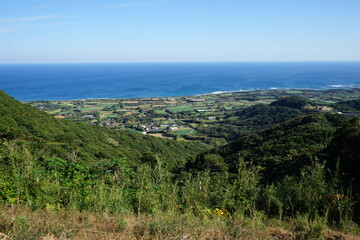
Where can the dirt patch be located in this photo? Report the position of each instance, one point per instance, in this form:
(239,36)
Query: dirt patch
(280,234)
(159,135)
(331,235)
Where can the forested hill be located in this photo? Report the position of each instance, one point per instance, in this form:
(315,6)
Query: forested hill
(287,147)
(258,117)
(52,137)
(348,106)
(288,150)
(284,149)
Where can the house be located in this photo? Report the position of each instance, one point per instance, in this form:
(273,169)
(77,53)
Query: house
(323,108)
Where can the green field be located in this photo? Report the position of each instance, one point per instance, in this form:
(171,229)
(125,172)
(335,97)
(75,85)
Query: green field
(160,111)
(327,102)
(180,109)
(181,132)
(131,130)
(92,108)
(111,115)
(294,91)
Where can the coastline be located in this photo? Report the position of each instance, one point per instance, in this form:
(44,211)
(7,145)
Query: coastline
(329,87)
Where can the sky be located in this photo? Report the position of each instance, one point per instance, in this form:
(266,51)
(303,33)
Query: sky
(67,31)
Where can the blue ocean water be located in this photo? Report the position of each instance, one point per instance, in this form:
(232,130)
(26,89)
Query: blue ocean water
(27,82)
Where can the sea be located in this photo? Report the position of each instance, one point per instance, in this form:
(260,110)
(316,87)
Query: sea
(30,82)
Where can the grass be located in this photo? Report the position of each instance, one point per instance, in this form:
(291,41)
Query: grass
(131,130)
(180,109)
(326,102)
(112,115)
(160,111)
(159,135)
(62,103)
(20,222)
(293,91)
(55,111)
(233,103)
(92,108)
(144,106)
(182,132)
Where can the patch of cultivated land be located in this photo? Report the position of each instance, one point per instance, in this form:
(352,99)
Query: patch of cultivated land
(174,116)
(159,135)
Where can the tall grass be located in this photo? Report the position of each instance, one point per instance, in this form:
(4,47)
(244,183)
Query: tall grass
(23,223)
(311,200)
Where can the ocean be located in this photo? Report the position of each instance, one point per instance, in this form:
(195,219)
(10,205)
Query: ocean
(28,82)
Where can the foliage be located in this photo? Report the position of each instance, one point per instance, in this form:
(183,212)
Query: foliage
(280,172)
(348,106)
(80,141)
(256,118)
(292,102)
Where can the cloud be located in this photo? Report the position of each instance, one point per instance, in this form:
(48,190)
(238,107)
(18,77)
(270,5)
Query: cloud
(27,19)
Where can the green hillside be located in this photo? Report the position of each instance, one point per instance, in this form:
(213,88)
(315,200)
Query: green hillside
(348,106)
(257,117)
(302,163)
(282,149)
(23,124)
(301,174)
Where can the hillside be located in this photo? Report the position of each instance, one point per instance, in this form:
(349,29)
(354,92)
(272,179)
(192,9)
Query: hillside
(307,159)
(348,106)
(62,138)
(257,117)
(299,175)
(282,149)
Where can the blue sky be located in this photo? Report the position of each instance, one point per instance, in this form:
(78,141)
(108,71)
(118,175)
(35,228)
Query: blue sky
(33,31)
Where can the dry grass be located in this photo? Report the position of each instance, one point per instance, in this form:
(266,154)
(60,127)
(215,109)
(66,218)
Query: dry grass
(159,135)
(22,223)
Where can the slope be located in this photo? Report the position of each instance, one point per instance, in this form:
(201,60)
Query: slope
(79,141)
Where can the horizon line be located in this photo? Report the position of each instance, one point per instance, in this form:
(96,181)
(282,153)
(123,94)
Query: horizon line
(150,62)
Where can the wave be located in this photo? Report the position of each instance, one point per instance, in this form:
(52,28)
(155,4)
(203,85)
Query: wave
(341,86)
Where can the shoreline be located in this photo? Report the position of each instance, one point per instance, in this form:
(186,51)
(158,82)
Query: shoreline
(330,87)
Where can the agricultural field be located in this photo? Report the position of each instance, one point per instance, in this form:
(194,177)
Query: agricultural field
(180,117)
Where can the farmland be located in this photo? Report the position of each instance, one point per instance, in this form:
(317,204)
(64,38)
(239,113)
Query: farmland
(180,117)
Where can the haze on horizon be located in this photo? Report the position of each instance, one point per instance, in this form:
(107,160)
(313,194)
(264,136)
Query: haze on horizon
(42,31)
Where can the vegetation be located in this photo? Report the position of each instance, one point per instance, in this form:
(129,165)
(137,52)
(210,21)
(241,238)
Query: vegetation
(252,119)
(214,118)
(23,223)
(292,102)
(287,179)
(348,106)
(37,131)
